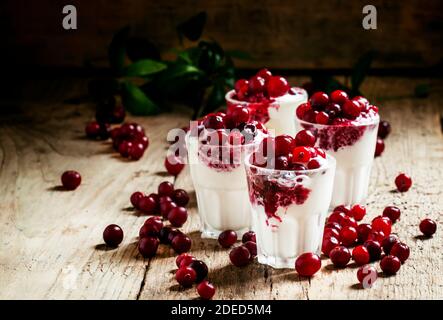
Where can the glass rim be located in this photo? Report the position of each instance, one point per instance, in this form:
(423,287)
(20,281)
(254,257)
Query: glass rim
(331,162)
(254,143)
(374,120)
(230,93)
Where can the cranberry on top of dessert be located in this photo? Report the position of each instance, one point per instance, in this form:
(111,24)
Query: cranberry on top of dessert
(335,109)
(285,152)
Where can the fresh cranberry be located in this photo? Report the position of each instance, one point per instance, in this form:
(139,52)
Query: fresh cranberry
(177,216)
(388,242)
(344,209)
(283,145)
(92,130)
(360,255)
(113,235)
(151,227)
(135,198)
(390,264)
(333,110)
(173,164)
(376,236)
(428,227)
(205,290)
(329,244)
(348,236)
(164,235)
(183,256)
(148,205)
(401,251)
(165,189)
(249,236)
(240,256)
(301,154)
(252,247)
(165,207)
(337,217)
(374,249)
(392,212)
(180,197)
(340,256)
(241,87)
(384,129)
(200,268)
(181,243)
(185,276)
(307,264)
(358,212)
(379,147)
(256,84)
(240,115)
(71,179)
(144,141)
(124,148)
(319,100)
(148,246)
(403,182)
(171,234)
(331,232)
(339,96)
(382,224)
(322,118)
(351,108)
(281,163)
(277,86)
(264,73)
(321,152)
(137,150)
(227,238)
(305,138)
(333,225)
(212,121)
(302,110)
(186,261)
(348,221)
(363,231)
(367,275)
(313,164)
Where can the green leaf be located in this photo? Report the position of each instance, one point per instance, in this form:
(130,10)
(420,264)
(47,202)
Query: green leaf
(192,28)
(238,54)
(361,69)
(136,101)
(422,90)
(117,49)
(176,71)
(144,67)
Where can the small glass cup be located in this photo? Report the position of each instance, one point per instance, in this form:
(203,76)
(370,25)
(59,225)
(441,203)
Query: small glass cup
(289,209)
(353,146)
(276,115)
(220,186)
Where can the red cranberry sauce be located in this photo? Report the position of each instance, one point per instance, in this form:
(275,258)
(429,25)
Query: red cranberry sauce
(272,188)
(259,93)
(336,120)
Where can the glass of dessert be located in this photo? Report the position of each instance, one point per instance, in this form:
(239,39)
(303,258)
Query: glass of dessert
(217,146)
(270,100)
(346,129)
(290,187)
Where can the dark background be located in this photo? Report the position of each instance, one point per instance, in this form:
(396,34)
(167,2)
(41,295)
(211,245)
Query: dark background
(282,34)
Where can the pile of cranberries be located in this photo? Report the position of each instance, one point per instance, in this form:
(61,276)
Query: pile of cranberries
(129,139)
(242,255)
(336,108)
(289,153)
(261,87)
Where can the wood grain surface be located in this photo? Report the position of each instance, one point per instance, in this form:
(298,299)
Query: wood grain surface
(278,34)
(51,243)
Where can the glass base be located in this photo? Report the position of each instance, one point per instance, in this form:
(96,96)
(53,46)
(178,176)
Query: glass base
(276,262)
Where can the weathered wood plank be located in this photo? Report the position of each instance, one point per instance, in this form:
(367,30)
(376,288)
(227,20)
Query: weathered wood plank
(51,240)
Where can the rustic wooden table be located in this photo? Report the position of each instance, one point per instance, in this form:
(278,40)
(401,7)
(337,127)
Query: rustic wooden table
(51,243)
